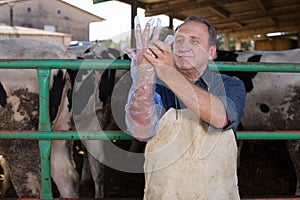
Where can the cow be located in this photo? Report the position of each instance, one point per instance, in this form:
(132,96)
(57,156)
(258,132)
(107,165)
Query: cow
(72,93)
(273,99)
(91,100)
(87,89)
(19,111)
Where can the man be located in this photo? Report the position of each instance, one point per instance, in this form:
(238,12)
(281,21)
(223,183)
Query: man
(185,158)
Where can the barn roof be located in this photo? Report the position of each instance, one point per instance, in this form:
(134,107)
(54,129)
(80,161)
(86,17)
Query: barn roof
(240,19)
(23,32)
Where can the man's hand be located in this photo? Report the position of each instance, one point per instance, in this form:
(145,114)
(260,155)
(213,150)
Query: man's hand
(142,71)
(160,55)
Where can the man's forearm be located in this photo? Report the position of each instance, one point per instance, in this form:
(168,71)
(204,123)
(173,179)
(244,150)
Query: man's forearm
(207,106)
(140,112)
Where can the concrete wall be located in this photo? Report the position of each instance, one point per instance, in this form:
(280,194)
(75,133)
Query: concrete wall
(62,16)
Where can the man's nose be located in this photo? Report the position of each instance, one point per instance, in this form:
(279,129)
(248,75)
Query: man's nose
(183,47)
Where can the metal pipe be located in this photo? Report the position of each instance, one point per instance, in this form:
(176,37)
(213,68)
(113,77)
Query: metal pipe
(265,135)
(66,135)
(64,64)
(44,125)
(119,135)
(255,67)
(125,64)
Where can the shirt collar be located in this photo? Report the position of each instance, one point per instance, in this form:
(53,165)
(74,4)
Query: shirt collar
(207,77)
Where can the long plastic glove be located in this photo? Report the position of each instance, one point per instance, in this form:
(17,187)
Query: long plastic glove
(141,112)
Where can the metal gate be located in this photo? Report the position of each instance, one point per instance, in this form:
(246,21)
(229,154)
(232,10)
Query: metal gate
(45,134)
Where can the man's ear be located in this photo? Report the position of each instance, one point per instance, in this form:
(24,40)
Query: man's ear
(212,52)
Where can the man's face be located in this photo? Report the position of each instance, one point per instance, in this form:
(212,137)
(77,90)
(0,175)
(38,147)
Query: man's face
(191,46)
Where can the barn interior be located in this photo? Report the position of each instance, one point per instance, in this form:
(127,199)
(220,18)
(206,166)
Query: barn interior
(272,25)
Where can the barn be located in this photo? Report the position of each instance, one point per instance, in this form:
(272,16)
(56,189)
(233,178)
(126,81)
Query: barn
(239,20)
(54,16)
(243,21)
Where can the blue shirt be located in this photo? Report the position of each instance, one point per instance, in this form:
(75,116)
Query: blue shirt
(230,90)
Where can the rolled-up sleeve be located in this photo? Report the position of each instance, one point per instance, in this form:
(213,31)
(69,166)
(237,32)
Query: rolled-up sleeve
(234,102)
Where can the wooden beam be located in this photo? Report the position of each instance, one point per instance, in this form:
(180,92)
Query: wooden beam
(285,10)
(263,31)
(248,34)
(139,3)
(171,22)
(280,24)
(238,45)
(272,20)
(219,11)
(262,5)
(168,7)
(226,42)
(246,38)
(240,25)
(133,13)
(287,20)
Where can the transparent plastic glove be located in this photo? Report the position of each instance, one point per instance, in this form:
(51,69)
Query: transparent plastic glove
(163,59)
(141,111)
(169,39)
(142,72)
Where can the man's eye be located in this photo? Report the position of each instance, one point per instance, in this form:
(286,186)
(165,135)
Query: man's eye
(194,42)
(179,41)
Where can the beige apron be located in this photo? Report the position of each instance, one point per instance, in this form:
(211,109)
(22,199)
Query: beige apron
(186,161)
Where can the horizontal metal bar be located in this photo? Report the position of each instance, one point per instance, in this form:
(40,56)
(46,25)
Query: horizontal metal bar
(273,198)
(119,135)
(265,135)
(125,64)
(255,67)
(65,64)
(66,135)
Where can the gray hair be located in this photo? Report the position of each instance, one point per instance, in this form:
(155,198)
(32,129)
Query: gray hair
(211,28)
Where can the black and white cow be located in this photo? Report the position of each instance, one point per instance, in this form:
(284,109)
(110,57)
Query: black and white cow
(19,111)
(273,99)
(91,101)
(90,91)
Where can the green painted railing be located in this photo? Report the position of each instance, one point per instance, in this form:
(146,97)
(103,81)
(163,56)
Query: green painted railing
(45,134)
(124,64)
(119,135)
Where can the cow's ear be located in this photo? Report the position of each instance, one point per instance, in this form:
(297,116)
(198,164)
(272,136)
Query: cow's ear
(212,52)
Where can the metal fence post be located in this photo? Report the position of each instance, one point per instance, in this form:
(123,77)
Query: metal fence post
(44,126)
